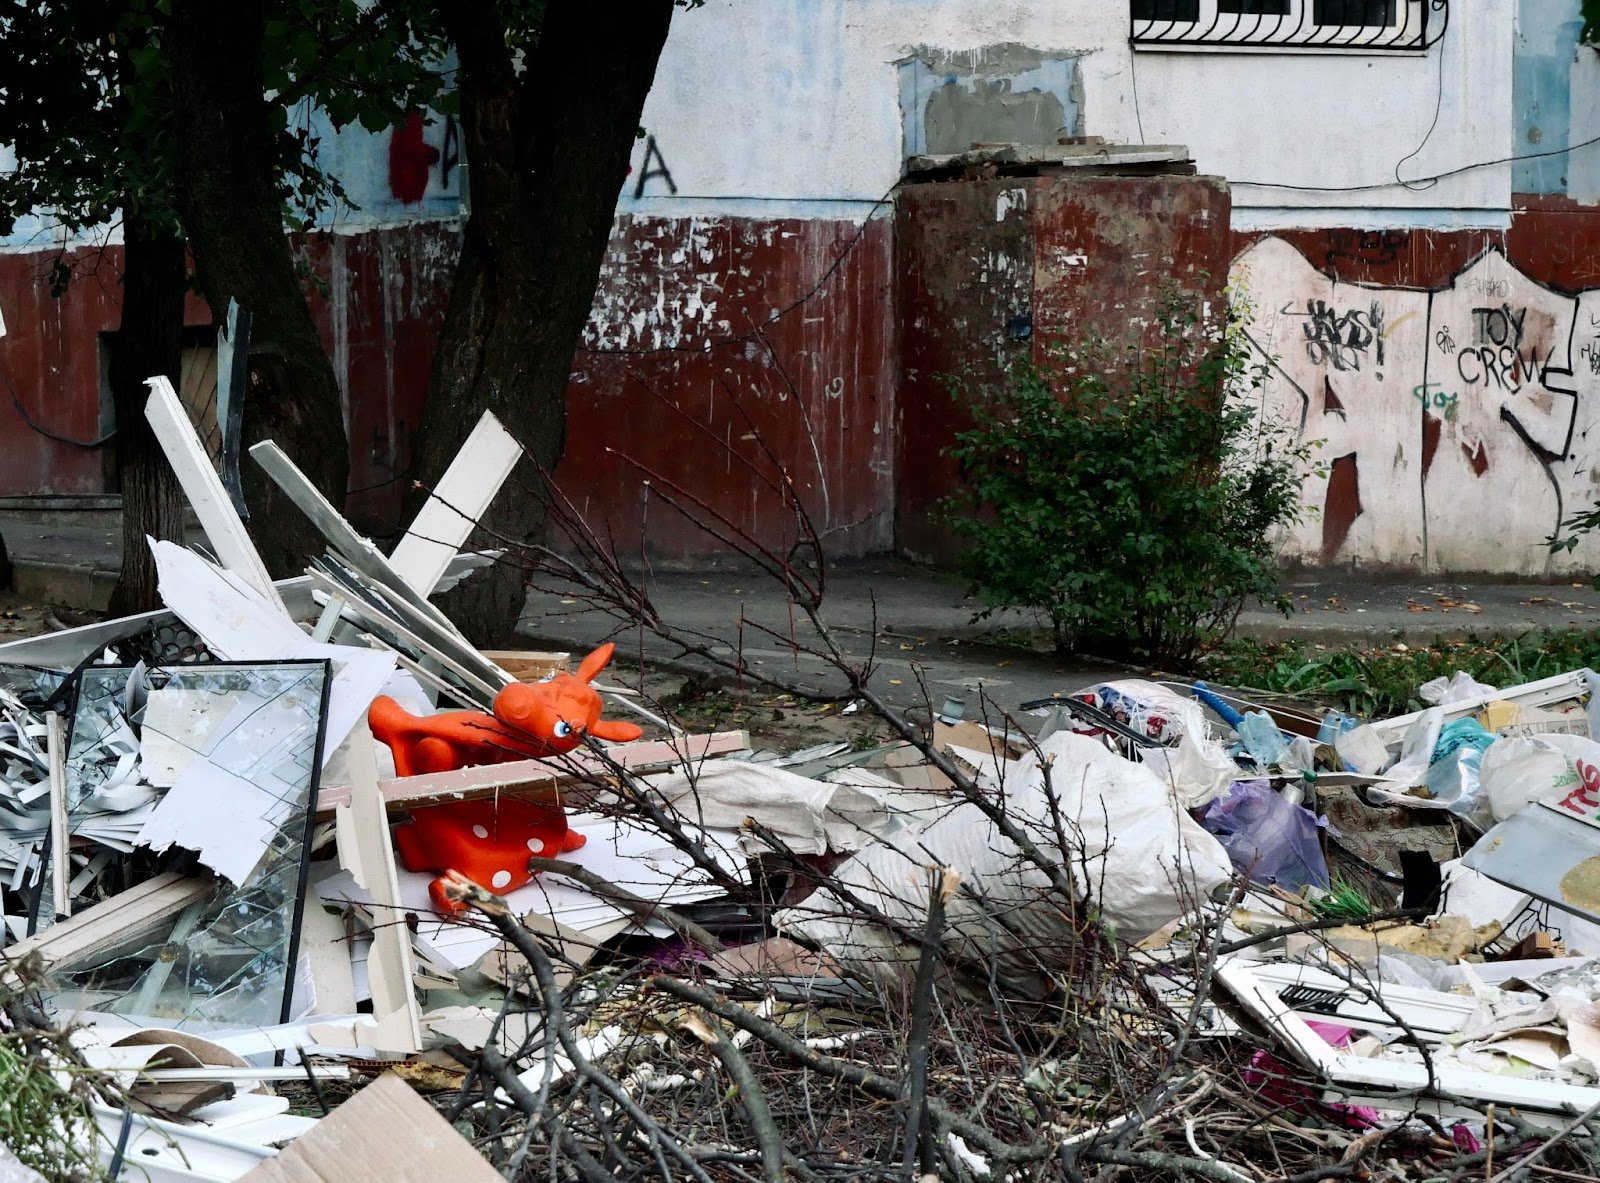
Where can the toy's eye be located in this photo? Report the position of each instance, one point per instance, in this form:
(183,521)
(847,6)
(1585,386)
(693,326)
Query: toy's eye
(562,729)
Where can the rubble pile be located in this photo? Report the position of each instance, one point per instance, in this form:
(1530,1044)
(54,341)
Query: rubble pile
(287,857)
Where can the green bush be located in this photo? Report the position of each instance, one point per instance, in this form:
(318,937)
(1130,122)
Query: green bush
(1131,497)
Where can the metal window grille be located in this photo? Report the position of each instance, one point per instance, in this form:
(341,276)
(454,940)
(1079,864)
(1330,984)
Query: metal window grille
(1348,25)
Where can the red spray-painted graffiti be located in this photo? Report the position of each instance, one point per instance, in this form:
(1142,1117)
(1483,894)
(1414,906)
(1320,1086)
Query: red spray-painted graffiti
(411,160)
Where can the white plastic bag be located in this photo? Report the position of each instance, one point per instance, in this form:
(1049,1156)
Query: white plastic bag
(1136,852)
(1517,771)
(1198,770)
(1460,686)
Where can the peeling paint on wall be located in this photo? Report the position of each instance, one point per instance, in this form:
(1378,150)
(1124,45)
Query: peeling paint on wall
(998,94)
(708,333)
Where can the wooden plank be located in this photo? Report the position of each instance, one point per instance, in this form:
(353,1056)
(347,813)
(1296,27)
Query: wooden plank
(367,852)
(534,777)
(460,498)
(529,665)
(203,487)
(109,921)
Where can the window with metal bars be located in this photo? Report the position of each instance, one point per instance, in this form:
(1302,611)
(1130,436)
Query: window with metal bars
(1347,25)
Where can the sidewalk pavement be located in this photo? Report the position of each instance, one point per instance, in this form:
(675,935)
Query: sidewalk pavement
(915,616)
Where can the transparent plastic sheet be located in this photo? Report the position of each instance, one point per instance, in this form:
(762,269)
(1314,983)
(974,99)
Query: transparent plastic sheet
(226,960)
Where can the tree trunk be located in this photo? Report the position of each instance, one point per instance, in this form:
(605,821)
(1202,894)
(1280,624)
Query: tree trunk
(149,342)
(547,152)
(229,198)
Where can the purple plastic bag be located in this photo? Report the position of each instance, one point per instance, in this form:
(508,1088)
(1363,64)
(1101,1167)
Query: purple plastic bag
(1268,839)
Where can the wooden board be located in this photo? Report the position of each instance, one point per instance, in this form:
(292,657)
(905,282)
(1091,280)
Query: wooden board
(203,487)
(109,921)
(459,499)
(529,665)
(367,852)
(533,777)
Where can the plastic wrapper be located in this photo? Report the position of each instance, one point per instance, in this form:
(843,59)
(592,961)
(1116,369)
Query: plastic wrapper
(1152,710)
(1515,772)
(1458,734)
(1459,687)
(1267,838)
(1263,740)
(1454,783)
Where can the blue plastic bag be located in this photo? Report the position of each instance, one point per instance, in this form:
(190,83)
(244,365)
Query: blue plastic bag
(1268,839)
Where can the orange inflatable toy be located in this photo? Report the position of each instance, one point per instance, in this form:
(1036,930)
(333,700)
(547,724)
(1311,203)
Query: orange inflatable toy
(489,841)
(547,718)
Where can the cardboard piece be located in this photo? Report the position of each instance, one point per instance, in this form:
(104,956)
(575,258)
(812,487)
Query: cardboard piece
(385,1132)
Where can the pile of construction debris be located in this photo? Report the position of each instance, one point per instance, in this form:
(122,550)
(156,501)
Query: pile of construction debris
(288,856)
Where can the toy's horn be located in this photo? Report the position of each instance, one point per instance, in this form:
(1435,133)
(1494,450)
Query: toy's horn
(615,731)
(596,661)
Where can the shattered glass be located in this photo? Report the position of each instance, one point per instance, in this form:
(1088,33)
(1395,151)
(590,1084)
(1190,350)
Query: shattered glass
(245,738)
(30,685)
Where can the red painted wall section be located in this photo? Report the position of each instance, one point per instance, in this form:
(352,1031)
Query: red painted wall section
(685,381)
(380,304)
(1552,240)
(992,271)
(1108,250)
(50,365)
(682,374)
(966,295)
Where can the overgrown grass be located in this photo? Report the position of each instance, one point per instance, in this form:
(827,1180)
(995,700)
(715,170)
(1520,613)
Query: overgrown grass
(1382,680)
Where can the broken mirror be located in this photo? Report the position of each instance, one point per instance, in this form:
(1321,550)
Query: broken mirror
(224,763)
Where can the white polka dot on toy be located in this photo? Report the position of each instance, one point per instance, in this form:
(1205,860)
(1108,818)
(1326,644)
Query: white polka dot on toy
(481,831)
(501,878)
(536,845)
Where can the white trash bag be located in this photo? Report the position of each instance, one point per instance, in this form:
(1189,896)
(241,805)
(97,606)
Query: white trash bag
(1133,849)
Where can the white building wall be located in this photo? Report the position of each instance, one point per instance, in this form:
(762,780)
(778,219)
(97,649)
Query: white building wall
(794,106)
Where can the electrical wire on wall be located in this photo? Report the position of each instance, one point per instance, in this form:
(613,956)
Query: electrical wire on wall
(1423,183)
(22,413)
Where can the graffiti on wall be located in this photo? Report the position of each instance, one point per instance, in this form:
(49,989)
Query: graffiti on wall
(415,162)
(1455,424)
